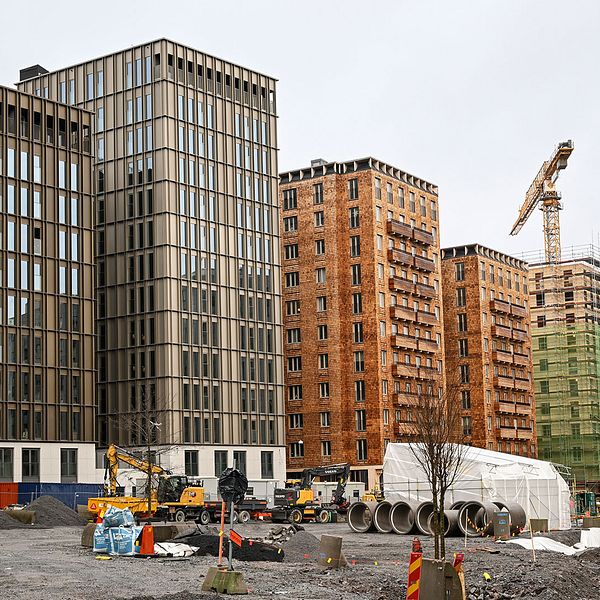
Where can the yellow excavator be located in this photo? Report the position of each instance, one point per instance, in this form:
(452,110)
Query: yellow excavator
(175,497)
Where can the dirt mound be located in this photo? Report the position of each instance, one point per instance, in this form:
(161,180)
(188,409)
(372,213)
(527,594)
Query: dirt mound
(300,544)
(7,522)
(568,537)
(591,555)
(51,512)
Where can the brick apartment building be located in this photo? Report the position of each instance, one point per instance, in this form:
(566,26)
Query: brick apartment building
(488,347)
(362,310)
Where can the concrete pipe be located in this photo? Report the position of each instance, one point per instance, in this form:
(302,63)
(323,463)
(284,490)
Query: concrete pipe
(381,517)
(422,515)
(517,514)
(457,505)
(360,516)
(402,517)
(451,528)
(474,516)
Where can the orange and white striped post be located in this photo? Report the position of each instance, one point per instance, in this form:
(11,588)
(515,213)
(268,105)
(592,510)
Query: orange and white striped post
(414,571)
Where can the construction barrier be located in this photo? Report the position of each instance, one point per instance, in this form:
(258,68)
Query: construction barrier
(9,494)
(414,572)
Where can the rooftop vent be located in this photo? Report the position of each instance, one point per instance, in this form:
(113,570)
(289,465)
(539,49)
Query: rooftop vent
(318,162)
(30,72)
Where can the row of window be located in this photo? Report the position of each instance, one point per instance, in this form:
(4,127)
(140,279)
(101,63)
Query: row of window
(494,274)
(30,464)
(296,449)
(221,462)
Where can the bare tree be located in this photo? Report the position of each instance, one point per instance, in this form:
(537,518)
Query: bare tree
(145,430)
(435,431)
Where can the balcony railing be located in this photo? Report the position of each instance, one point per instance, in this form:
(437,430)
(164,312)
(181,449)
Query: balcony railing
(500,306)
(518,311)
(426,345)
(398,284)
(404,341)
(515,358)
(427,291)
(408,232)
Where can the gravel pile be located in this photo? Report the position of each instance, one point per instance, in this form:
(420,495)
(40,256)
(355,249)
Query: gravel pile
(300,544)
(7,522)
(51,512)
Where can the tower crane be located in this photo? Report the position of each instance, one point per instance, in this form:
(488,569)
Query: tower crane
(542,192)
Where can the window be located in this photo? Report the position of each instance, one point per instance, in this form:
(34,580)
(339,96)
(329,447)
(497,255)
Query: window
(541,321)
(573,387)
(30,464)
(459,271)
(319,218)
(296,450)
(466,425)
(220,462)
(540,299)
(354,215)
(68,465)
(319,247)
(464,373)
(326,448)
(318,193)
(191,463)
(323,361)
(292,279)
(577,454)
(355,246)
(293,336)
(359,390)
(290,199)
(296,421)
(543,364)
(321,303)
(295,392)
(322,332)
(461,296)
(544,387)
(463,348)
(356,274)
(357,303)
(361,449)
(291,251)
(266,465)
(357,332)
(290,224)
(239,460)
(292,307)
(361,420)
(6,464)
(377,188)
(294,363)
(324,389)
(462,322)
(320,275)
(465,398)
(353,189)
(325,419)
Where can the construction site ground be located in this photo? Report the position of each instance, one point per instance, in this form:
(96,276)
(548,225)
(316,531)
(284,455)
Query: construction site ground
(51,564)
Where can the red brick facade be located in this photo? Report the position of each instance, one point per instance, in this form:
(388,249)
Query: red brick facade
(378,245)
(488,347)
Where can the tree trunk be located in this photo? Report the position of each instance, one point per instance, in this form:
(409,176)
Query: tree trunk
(436,529)
(441,524)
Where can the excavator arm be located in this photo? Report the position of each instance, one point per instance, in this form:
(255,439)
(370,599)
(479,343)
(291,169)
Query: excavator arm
(342,473)
(113,455)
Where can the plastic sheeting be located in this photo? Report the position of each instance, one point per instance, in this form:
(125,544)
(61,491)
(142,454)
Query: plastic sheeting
(484,476)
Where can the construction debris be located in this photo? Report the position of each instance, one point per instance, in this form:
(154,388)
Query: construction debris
(7,522)
(51,512)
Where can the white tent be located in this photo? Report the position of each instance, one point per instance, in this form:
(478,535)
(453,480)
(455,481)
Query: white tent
(485,475)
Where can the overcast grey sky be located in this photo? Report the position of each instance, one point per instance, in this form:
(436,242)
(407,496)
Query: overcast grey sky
(470,95)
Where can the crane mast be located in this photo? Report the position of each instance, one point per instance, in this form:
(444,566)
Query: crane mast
(542,192)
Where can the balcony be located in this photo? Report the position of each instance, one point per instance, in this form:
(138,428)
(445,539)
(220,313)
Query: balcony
(404,341)
(405,399)
(424,290)
(522,384)
(428,345)
(398,284)
(404,370)
(524,433)
(504,382)
(424,264)
(521,359)
(403,313)
(507,433)
(427,317)
(501,331)
(513,408)
(408,232)
(399,256)
(500,306)
(515,358)
(518,311)
(520,334)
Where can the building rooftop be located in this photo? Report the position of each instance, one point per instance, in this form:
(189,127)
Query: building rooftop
(479,250)
(321,168)
(132,47)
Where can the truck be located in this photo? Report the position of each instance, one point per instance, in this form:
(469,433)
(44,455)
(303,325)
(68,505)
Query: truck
(177,497)
(296,502)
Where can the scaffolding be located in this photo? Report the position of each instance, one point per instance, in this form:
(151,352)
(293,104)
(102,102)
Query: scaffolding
(565,314)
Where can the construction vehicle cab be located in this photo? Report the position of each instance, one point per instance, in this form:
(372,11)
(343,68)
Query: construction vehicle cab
(297,503)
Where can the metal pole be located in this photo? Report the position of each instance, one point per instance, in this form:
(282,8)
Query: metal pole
(221,534)
(230,542)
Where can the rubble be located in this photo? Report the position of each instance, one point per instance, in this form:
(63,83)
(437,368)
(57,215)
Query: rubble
(51,512)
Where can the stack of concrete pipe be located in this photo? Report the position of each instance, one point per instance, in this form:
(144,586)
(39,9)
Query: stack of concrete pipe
(470,518)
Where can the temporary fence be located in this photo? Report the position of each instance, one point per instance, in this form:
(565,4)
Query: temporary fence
(70,494)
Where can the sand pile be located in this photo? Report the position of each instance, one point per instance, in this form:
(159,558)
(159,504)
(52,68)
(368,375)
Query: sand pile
(300,544)
(51,512)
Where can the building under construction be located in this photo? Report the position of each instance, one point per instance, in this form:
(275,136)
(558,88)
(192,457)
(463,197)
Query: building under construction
(565,315)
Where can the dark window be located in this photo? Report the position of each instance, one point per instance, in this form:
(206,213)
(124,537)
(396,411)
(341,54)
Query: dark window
(239,460)
(191,463)
(6,464)
(266,465)
(68,465)
(31,464)
(220,462)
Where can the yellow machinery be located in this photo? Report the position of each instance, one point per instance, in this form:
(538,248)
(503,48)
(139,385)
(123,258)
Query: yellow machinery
(174,495)
(543,192)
